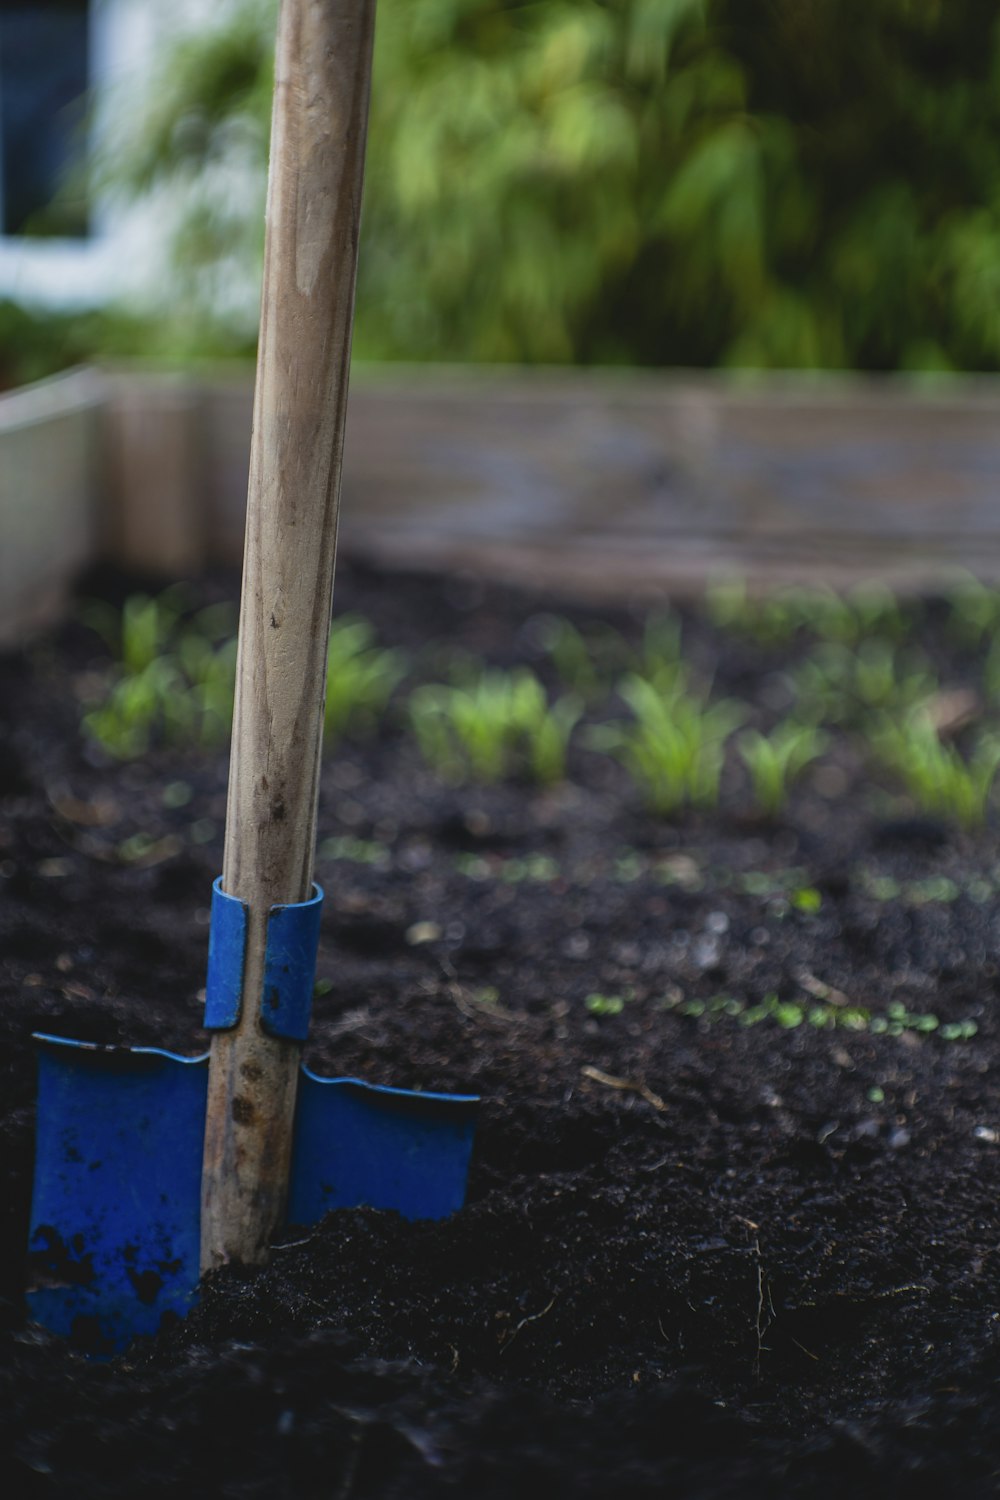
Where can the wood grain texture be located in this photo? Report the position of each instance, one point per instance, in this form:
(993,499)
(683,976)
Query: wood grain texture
(323,68)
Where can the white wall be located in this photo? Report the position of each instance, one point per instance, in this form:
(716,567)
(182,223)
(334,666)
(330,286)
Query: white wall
(122,255)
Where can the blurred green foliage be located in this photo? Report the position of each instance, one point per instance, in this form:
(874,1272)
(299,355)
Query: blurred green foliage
(35,342)
(769,183)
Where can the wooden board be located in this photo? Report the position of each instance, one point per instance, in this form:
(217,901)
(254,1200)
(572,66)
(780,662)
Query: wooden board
(597,482)
(51,470)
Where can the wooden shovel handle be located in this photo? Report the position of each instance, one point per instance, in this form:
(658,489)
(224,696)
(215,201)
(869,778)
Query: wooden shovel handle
(322,78)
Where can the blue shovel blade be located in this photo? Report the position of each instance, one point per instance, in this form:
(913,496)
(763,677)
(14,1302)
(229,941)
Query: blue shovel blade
(115,1213)
(116,1206)
(359,1143)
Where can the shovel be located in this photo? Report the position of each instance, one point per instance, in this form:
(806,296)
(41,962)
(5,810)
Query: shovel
(152,1169)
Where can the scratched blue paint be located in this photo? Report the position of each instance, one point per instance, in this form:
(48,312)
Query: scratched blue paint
(115,1213)
(116,1208)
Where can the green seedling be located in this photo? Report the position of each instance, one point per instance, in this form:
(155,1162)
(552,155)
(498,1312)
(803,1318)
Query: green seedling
(836,685)
(205,648)
(933,888)
(776,618)
(173,678)
(775,761)
(605,1005)
(571,656)
(140,633)
(161,688)
(209,679)
(660,661)
(587,665)
(142,708)
(866,612)
(674,747)
(497,726)
(824,1015)
(770,620)
(991,673)
(877,612)
(360,678)
(973,612)
(936,776)
(540,868)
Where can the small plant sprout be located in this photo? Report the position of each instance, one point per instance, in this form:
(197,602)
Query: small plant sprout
(141,632)
(360,678)
(660,660)
(935,774)
(866,612)
(876,612)
(838,685)
(974,612)
(769,620)
(991,673)
(674,747)
(824,1014)
(139,707)
(605,1005)
(498,725)
(775,761)
(169,683)
(173,678)
(774,619)
(210,672)
(571,655)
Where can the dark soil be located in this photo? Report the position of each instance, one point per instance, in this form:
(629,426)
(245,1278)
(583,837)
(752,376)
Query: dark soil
(699,1257)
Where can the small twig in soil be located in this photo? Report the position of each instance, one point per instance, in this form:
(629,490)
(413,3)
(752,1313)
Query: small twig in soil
(476,1009)
(765,1313)
(532,1318)
(666,1337)
(468,1003)
(820,991)
(609,1081)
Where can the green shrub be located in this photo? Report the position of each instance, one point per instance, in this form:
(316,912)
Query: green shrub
(643,181)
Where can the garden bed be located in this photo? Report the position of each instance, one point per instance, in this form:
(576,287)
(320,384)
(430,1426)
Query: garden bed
(732,1220)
